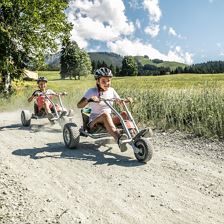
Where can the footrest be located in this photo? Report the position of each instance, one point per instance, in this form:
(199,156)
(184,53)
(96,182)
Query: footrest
(34,116)
(63,113)
(126,141)
(54,119)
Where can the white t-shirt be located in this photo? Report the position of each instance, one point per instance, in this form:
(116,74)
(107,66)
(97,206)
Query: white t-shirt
(101,107)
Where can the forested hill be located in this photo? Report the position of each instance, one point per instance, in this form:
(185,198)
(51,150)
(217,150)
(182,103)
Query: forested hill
(110,58)
(144,60)
(209,67)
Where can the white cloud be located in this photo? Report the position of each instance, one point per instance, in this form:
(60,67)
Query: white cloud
(154,10)
(96,30)
(154,17)
(179,55)
(105,20)
(102,20)
(211,1)
(138,23)
(80,40)
(172,32)
(127,47)
(97,48)
(152,30)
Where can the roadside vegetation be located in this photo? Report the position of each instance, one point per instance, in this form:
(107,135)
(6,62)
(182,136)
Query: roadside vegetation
(187,102)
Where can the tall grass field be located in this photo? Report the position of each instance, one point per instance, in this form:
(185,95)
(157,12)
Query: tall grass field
(190,103)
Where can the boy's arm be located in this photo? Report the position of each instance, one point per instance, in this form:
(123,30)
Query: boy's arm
(31,98)
(89,96)
(82,103)
(35,93)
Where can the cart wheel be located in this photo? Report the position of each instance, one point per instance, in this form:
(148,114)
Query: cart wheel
(71,135)
(145,150)
(25,118)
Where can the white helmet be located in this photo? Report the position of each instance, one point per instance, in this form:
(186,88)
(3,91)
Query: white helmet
(103,72)
(41,79)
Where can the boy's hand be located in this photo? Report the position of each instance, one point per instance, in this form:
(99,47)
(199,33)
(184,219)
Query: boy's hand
(118,101)
(129,100)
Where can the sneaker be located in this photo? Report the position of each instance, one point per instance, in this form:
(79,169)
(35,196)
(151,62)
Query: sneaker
(63,113)
(122,145)
(50,116)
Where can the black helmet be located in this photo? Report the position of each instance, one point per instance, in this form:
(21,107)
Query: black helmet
(41,79)
(103,72)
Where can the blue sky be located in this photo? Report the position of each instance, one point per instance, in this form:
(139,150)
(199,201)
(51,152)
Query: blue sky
(189,31)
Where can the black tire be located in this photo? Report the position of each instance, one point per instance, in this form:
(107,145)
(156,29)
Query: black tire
(26,118)
(145,147)
(71,135)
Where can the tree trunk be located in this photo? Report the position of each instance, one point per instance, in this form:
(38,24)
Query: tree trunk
(6,79)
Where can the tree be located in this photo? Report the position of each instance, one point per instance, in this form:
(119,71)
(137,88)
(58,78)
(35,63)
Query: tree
(84,67)
(117,71)
(104,64)
(98,64)
(113,70)
(75,62)
(94,66)
(129,66)
(28,29)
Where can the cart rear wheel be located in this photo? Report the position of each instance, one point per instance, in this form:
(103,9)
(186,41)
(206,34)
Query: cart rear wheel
(71,135)
(25,118)
(145,150)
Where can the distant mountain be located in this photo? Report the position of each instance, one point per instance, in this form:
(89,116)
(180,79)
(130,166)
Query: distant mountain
(108,57)
(53,61)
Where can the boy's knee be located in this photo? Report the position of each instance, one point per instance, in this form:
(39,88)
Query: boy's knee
(124,115)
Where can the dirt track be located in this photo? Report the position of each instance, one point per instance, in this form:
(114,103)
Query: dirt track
(43,182)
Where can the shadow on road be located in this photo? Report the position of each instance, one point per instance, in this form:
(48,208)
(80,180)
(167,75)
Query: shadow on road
(32,128)
(85,151)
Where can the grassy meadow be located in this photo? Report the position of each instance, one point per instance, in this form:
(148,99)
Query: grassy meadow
(190,103)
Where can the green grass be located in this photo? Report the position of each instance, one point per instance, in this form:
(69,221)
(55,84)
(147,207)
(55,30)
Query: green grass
(171,64)
(186,102)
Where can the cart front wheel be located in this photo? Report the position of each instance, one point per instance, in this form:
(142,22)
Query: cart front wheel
(25,118)
(71,135)
(144,153)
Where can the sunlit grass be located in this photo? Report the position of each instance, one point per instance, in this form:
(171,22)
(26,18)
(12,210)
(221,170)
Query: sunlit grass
(186,102)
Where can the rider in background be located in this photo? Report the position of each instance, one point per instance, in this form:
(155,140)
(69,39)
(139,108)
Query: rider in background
(41,104)
(100,112)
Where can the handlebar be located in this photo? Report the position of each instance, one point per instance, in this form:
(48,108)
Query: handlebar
(51,94)
(110,100)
